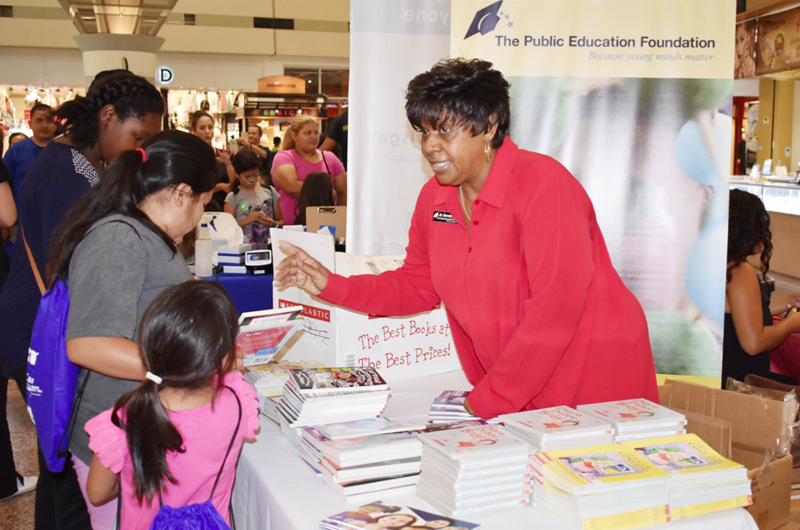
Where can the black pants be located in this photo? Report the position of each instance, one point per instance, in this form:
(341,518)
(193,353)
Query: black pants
(8,472)
(59,502)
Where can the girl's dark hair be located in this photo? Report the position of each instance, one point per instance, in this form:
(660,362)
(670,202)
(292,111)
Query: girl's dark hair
(245,160)
(188,336)
(460,91)
(173,157)
(748,225)
(200,114)
(131,96)
(317,190)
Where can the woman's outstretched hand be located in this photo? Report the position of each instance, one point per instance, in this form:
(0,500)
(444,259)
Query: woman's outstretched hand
(300,269)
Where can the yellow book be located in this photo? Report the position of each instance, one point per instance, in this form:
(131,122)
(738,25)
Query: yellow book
(682,454)
(598,468)
(622,521)
(698,509)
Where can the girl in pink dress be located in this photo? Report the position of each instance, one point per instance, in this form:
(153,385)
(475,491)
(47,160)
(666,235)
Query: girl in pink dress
(175,439)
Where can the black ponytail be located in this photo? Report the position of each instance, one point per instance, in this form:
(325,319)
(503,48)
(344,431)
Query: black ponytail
(172,158)
(130,95)
(188,336)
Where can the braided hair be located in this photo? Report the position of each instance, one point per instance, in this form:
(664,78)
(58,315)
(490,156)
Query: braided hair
(131,96)
(170,158)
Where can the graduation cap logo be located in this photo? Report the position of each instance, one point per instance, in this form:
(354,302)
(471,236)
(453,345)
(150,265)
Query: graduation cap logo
(485,20)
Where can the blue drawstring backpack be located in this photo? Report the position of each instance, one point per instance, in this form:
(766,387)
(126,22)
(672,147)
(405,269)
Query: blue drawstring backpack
(199,516)
(52,377)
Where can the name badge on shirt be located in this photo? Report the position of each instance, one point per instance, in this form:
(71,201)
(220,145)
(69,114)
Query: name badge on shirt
(444,217)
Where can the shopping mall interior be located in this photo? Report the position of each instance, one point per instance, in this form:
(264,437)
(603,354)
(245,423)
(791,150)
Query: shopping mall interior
(290,57)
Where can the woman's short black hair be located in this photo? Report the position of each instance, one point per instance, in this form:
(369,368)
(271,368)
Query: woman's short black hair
(130,94)
(748,225)
(460,91)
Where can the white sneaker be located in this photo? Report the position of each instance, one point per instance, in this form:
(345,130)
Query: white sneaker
(23,486)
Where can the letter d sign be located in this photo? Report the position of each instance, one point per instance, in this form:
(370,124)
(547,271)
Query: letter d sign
(164,75)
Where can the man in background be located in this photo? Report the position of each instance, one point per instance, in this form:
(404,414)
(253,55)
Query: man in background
(21,155)
(337,136)
(253,142)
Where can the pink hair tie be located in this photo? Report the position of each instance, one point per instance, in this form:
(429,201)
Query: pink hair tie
(144,154)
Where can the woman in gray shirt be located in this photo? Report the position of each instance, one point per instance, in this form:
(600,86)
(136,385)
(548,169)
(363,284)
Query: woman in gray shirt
(117,249)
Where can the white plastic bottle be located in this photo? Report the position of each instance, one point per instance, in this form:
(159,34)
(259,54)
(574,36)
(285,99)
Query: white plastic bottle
(202,253)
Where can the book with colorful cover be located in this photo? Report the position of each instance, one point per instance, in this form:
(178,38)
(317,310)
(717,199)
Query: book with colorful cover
(450,400)
(474,443)
(632,414)
(337,380)
(682,454)
(268,379)
(261,342)
(598,468)
(556,422)
(388,515)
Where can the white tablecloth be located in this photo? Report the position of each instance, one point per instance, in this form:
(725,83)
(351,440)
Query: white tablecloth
(276,490)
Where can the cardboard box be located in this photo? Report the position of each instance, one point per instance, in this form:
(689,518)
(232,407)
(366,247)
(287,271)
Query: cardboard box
(759,428)
(398,347)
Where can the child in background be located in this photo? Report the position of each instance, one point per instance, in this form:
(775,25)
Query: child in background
(317,190)
(177,437)
(256,208)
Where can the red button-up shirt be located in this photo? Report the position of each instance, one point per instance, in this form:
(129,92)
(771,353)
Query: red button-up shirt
(539,315)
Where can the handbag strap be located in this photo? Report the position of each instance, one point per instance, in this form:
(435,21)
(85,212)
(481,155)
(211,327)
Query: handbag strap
(230,445)
(35,269)
(327,169)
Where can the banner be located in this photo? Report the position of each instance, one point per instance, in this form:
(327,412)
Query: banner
(632,97)
(778,44)
(390,43)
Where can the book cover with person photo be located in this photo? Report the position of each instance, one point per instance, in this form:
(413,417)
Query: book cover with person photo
(338,379)
(379,515)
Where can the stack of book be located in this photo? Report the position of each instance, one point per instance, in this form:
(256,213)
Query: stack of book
(637,419)
(602,486)
(449,408)
(269,379)
(367,458)
(380,515)
(313,396)
(357,468)
(474,469)
(558,428)
(700,479)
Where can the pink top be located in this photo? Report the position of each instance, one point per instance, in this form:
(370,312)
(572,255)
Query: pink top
(539,315)
(206,433)
(303,168)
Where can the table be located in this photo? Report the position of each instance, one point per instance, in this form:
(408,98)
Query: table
(249,292)
(276,490)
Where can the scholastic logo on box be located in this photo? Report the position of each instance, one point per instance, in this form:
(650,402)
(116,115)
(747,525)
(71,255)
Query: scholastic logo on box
(308,311)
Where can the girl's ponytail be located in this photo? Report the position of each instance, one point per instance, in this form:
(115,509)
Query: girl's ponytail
(187,338)
(150,435)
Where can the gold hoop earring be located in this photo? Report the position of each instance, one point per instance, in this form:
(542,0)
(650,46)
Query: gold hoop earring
(488,151)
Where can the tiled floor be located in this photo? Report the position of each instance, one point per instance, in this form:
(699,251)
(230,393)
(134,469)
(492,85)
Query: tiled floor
(17,513)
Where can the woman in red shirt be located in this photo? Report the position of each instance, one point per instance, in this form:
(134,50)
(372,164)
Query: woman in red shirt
(508,241)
